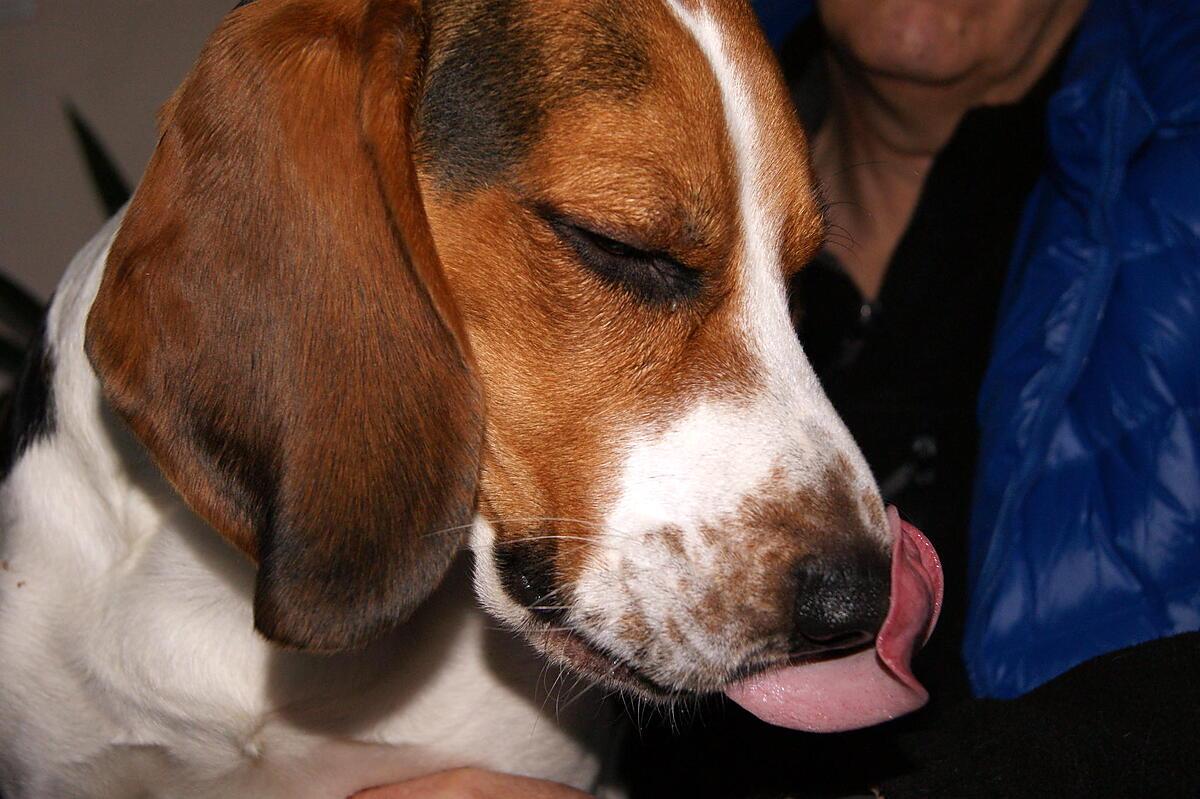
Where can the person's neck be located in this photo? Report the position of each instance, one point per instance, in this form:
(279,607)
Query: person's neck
(872,156)
(881,135)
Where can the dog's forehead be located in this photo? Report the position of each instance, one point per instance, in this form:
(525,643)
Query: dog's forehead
(504,76)
(497,67)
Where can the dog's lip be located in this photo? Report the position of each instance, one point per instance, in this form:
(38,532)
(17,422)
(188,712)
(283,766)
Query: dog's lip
(764,663)
(769,658)
(834,689)
(574,650)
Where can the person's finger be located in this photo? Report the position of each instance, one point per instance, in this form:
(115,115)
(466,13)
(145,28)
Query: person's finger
(472,784)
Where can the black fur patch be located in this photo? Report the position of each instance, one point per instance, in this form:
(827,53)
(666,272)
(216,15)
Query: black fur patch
(526,571)
(30,411)
(612,58)
(479,110)
(485,100)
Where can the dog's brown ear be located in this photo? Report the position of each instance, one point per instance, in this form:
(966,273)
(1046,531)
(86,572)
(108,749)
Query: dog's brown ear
(274,325)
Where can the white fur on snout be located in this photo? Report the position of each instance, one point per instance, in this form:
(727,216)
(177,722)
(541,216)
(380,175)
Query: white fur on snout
(669,537)
(679,529)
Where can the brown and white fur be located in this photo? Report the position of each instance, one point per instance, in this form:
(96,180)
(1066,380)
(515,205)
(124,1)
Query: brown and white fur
(401,279)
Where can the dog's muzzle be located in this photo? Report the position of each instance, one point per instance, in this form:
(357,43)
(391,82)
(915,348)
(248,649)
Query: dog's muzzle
(870,686)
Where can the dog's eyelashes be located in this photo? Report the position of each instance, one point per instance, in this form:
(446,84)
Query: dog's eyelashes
(652,277)
(613,247)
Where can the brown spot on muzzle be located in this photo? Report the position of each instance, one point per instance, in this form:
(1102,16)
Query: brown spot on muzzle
(672,538)
(819,519)
(807,555)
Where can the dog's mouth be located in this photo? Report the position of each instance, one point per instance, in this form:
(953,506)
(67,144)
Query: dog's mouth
(852,686)
(573,650)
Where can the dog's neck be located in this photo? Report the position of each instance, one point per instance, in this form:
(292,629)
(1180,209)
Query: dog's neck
(87,459)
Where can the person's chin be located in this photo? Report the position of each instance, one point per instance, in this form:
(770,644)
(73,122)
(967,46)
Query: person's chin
(908,40)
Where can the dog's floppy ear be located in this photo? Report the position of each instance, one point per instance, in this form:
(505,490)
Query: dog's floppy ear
(274,325)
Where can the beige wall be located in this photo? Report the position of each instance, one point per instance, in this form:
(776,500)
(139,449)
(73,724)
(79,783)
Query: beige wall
(117,60)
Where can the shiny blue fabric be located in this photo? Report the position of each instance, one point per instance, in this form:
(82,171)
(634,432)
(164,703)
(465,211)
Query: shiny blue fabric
(1085,533)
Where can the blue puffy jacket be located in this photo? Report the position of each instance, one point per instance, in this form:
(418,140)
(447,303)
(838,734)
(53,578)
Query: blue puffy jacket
(1086,526)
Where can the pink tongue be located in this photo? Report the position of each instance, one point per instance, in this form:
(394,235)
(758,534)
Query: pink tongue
(867,687)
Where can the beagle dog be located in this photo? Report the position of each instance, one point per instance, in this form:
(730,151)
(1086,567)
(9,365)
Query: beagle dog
(406,278)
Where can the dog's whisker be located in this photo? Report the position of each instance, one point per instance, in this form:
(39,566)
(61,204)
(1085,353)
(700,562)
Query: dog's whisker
(514,520)
(558,706)
(550,691)
(444,531)
(860,165)
(598,526)
(557,537)
(590,684)
(562,672)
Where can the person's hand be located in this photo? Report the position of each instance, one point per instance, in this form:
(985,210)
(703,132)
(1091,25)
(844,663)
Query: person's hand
(469,783)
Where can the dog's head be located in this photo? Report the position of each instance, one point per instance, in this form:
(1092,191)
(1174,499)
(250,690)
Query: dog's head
(401,269)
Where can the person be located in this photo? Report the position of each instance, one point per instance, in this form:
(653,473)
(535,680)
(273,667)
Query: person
(1086,522)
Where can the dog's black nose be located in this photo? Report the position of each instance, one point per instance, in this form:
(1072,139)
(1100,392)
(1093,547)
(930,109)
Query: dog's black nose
(841,600)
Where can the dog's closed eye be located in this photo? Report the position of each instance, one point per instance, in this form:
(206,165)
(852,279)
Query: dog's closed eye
(653,277)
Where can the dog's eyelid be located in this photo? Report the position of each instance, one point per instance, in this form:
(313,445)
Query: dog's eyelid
(624,246)
(621,243)
(653,276)
(623,238)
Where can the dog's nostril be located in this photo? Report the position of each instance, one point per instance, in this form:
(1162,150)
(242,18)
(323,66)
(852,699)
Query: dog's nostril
(841,601)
